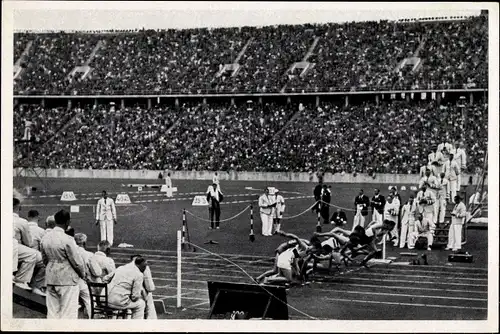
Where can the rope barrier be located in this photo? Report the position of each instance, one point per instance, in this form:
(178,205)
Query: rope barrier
(223,220)
(262,287)
(300,214)
(337,206)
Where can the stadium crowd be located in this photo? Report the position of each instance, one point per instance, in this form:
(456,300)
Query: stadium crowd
(392,137)
(348,56)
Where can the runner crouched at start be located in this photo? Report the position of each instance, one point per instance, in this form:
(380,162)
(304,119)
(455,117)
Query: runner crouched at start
(326,256)
(287,262)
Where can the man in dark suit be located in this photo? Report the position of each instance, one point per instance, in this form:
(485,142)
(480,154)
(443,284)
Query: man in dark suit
(326,197)
(317,196)
(339,218)
(214,197)
(378,204)
(361,204)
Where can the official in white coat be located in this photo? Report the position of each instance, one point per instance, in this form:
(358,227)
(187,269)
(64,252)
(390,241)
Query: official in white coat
(461,159)
(442,197)
(457,221)
(168,183)
(408,212)
(106,217)
(278,211)
(452,172)
(391,213)
(266,205)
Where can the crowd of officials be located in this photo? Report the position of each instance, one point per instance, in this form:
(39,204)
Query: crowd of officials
(347,56)
(51,259)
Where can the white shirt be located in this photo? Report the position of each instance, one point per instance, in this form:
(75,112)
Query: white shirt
(168,181)
(432,181)
(461,158)
(443,184)
(264,201)
(22,231)
(37,234)
(391,210)
(215,179)
(431,199)
(280,206)
(408,212)
(214,193)
(458,214)
(106,209)
(452,170)
(107,265)
(126,284)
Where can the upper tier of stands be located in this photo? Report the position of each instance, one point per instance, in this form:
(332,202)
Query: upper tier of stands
(382,55)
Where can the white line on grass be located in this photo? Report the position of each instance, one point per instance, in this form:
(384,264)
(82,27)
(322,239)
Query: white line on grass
(405,304)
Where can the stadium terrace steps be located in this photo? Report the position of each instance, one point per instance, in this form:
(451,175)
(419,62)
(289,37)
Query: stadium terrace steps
(242,52)
(30,300)
(311,49)
(17,65)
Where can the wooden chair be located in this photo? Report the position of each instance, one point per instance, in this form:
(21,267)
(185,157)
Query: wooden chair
(99,303)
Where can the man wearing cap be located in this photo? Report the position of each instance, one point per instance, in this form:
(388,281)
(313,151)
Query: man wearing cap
(457,221)
(361,203)
(278,211)
(266,205)
(106,217)
(214,197)
(93,271)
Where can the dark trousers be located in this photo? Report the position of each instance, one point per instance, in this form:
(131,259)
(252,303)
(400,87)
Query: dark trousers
(214,210)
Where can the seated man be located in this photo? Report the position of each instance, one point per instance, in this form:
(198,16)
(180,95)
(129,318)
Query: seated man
(125,289)
(422,229)
(106,263)
(339,218)
(147,292)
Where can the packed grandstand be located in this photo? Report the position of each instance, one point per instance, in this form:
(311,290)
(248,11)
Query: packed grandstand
(352,97)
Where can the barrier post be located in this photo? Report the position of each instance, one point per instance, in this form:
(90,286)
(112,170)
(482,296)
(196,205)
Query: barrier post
(383,246)
(183,238)
(318,225)
(252,236)
(179,262)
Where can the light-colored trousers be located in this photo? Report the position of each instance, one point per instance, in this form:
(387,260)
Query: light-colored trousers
(62,301)
(429,217)
(359,219)
(442,208)
(394,233)
(455,236)
(38,279)
(15,255)
(407,228)
(27,258)
(412,238)
(150,311)
(452,186)
(376,216)
(84,296)
(267,224)
(107,227)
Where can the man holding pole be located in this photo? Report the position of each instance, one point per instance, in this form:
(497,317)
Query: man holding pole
(106,217)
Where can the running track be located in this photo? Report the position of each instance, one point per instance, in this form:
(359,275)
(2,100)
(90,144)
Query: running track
(381,292)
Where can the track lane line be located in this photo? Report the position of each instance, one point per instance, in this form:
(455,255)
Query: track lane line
(405,304)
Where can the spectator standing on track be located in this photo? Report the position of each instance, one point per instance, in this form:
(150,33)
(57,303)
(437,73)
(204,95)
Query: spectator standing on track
(452,172)
(214,197)
(266,205)
(278,211)
(27,256)
(377,203)
(457,221)
(125,291)
(106,217)
(65,267)
(168,183)
(408,212)
(326,197)
(106,263)
(442,196)
(361,204)
(391,213)
(92,269)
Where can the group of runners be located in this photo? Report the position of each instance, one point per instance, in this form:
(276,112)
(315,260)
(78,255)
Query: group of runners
(297,258)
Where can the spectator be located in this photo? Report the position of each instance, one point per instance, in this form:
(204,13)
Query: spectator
(339,218)
(425,200)
(457,220)
(148,288)
(125,289)
(92,269)
(65,267)
(422,229)
(36,231)
(106,263)
(408,213)
(50,223)
(361,203)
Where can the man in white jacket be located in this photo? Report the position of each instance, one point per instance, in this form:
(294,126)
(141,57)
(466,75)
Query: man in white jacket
(425,202)
(278,211)
(452,172)
(407,220)
(442,196)
(461,159)
(391,213)
(106,217)
(431,183)
(457,221)
(266,205)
